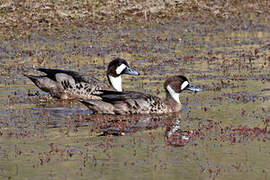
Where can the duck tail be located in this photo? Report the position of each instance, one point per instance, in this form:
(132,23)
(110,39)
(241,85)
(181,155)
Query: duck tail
(31,77)
(34,79)
(90,104)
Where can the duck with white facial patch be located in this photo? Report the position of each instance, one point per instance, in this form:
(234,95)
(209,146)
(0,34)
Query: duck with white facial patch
(114,72)
(131,102)
(64,84)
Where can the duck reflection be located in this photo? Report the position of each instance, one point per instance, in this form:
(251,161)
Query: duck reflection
(123,125)
(72,115)
(175,136)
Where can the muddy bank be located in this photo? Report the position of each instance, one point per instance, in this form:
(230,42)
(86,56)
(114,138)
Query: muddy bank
(28,20)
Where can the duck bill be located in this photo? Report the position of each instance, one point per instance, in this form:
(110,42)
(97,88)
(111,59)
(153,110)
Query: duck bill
(130,71)
(191,87)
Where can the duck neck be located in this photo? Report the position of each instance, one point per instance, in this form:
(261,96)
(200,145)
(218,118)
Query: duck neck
(116,82)
(174,105)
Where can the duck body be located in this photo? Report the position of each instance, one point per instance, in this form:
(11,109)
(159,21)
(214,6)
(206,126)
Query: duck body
(131,102)
(128,102)
(64,84)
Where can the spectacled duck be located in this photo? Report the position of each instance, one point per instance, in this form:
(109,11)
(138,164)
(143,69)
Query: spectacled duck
(131,102)
(65,84)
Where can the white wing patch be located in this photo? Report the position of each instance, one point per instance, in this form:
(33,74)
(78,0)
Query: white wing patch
(184,85)
(120,68)
(116,82)
(174,94)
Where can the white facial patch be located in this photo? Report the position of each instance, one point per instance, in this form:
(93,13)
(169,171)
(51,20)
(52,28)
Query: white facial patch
(116,83)
(120,68)
(174,94)
(184,85)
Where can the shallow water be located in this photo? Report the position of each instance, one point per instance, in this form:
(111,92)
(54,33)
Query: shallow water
(225,125)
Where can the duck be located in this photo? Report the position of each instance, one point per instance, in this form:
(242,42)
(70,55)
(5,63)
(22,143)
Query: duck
(132,102)
(65,84)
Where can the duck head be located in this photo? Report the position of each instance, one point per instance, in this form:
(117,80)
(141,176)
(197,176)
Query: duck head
(116,68)
(174,85)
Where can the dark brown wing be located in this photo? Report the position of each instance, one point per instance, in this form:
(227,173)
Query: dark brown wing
(113,96)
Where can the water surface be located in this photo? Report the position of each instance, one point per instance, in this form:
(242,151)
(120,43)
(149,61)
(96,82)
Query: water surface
(226,125)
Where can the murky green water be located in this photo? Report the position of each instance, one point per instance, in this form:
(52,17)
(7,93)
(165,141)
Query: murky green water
(43,138)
